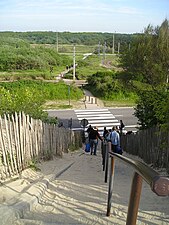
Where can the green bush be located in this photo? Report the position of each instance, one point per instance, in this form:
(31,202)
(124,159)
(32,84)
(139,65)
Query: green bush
(17,54)
(29,96)
(107,86)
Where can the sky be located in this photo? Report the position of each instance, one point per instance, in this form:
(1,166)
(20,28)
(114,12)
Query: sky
(120,16)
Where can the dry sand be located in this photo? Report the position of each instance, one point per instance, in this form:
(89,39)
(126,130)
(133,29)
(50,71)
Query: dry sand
(77,194)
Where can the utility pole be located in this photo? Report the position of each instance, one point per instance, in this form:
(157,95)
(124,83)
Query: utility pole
(118,47)
(167,80)
(74,62)
(57,49)
(69,93)
(104,52)
(99,49)
(113,45)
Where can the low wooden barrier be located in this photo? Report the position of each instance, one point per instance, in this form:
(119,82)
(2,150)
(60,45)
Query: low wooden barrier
(159,184)
(24,140)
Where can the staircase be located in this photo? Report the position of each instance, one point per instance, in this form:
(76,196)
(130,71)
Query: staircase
(77,196)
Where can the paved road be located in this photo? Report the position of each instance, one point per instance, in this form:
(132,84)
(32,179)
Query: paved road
(126,114)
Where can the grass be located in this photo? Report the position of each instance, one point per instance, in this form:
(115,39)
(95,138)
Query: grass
(94,64)
(85,68)
(32,74)
(33,165)
(64,104)
(58,106)
(67,48)
(119,103)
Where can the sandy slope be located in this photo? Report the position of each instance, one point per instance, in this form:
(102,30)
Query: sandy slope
(79,194)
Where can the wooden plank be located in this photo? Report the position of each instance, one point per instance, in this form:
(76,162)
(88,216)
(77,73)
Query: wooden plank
(8,142)
(18,159)
(18,142)
(29,139)
(21,139)
(12,144)
(5,163)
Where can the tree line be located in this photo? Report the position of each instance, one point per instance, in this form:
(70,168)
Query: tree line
(80,38)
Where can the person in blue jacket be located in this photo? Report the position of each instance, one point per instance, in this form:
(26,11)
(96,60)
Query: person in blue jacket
(115,139)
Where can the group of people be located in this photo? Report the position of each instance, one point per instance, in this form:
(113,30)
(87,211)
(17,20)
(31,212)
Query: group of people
(112,135)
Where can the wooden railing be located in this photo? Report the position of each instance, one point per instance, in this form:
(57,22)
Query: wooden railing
(158,184)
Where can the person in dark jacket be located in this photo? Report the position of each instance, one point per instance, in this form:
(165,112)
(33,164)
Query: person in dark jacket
(93,139)
(89,129)
(121,126)
(105,133)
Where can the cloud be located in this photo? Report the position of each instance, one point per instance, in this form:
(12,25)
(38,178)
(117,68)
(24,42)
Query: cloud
(55,6)
(87,14)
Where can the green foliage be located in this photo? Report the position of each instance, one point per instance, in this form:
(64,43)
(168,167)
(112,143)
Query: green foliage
(148,61)
(29,96)
(80,38)
(148,57)
(17,54)
(107,86)
(51,120)
(93,64)
(17,100)
(33,165)
(152,108)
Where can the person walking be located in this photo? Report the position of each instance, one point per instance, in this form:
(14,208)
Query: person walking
(105,133)
(89,129)
(93,139)
(121,126)
(115,139)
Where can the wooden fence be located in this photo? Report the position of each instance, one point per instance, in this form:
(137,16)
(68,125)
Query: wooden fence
(23,139)
(152,145)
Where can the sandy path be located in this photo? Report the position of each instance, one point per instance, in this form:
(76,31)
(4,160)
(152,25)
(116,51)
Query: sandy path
(79,196)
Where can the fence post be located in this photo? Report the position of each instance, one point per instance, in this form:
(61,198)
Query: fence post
(111,176)
(134,199)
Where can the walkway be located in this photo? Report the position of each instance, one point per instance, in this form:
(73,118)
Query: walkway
(71,190)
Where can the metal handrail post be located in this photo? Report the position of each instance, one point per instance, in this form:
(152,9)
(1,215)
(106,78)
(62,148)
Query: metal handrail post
(159,184)
(111,178)
(103,154)
(134,199)
(106,162)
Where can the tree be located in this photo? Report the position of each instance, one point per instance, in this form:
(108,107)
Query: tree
(148,62)
(148,58)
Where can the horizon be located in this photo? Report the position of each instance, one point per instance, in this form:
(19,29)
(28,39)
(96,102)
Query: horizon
(77,16)
(72,32)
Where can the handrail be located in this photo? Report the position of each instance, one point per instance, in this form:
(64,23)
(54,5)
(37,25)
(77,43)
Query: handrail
(159,184)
